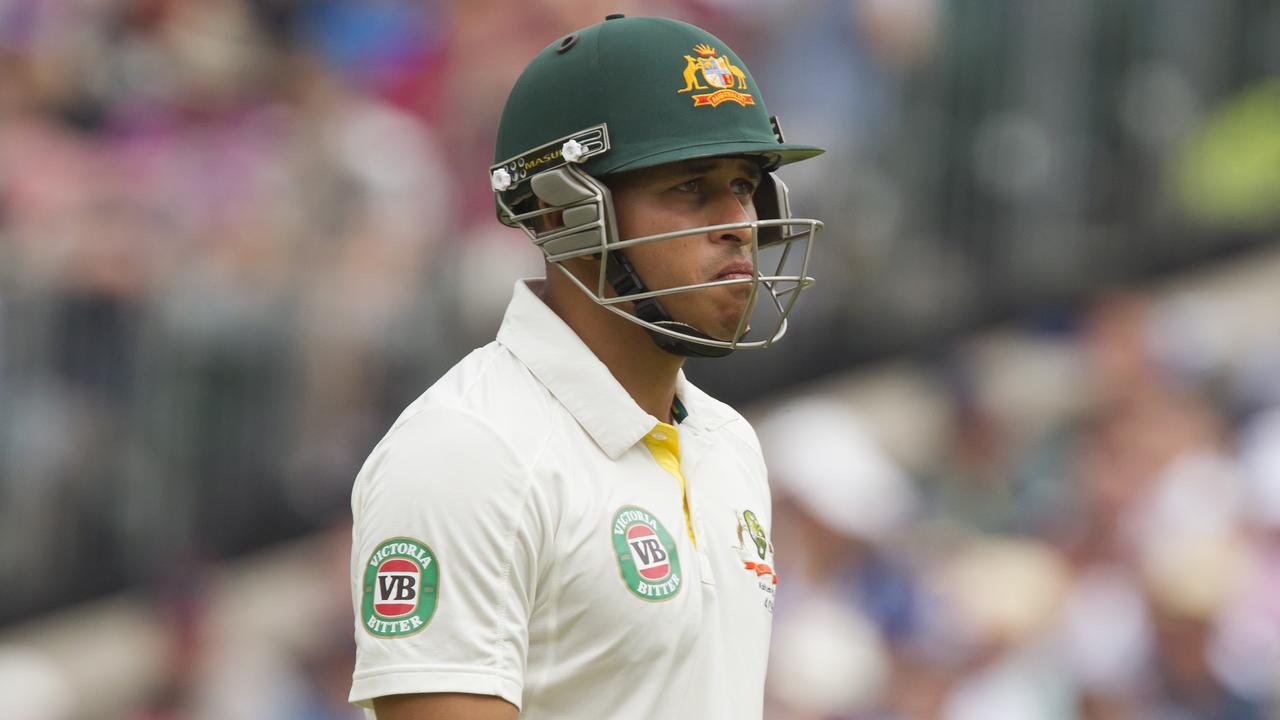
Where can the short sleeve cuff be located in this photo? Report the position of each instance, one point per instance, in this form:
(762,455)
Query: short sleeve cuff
(366,687)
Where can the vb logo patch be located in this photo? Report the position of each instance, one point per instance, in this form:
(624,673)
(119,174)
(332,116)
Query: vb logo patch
(716,73)
(647,557)
(401,588)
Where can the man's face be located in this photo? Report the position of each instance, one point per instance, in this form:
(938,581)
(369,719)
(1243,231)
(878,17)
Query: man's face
(690,194)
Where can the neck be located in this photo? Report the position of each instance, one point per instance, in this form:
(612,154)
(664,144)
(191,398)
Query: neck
(645,371)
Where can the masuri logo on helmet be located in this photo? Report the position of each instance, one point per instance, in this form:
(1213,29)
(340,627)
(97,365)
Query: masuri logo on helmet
(613,97)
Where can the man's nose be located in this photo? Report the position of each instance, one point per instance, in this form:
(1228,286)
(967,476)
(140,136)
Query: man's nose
(730,209)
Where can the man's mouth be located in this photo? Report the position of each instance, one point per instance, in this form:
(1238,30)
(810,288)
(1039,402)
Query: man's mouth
(737,271)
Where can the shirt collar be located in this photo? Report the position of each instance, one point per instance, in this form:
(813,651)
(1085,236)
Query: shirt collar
(555,354)
(703,411)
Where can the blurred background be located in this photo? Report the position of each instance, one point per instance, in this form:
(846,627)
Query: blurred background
(1024,435)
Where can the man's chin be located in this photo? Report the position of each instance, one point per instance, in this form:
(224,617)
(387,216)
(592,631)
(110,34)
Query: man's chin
(725,332)
(719,322)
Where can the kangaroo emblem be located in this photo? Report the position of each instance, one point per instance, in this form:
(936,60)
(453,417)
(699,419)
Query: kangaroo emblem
(691,69)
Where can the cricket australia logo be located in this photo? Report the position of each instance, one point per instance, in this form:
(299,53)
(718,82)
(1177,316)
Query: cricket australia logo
(646,554)
(715,73)
(752,526)
(401,588)
(752,537)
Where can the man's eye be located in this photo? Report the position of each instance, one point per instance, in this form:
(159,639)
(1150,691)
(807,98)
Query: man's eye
(688,186)
(744,187)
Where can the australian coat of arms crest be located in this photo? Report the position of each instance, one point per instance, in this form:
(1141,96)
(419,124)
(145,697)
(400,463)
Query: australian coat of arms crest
(715,74)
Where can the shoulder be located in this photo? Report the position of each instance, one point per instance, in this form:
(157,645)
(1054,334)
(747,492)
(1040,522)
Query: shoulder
(490,392)
(479,428)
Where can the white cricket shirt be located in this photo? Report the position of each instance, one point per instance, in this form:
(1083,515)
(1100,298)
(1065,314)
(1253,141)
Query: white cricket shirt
(521,531)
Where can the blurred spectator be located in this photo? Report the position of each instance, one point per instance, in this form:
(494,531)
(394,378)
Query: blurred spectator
(846,603)
(1006,595)
(34,688)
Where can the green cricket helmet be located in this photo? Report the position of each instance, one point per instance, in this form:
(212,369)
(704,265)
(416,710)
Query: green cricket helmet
(633,93)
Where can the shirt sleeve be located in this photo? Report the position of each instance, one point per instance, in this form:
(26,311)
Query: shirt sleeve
(446,542)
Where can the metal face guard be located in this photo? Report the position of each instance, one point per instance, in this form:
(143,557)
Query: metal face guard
(590,229)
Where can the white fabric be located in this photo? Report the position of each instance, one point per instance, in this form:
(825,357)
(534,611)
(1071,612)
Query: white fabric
(511,469)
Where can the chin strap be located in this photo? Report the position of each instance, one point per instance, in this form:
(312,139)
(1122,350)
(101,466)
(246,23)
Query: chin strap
(625,281)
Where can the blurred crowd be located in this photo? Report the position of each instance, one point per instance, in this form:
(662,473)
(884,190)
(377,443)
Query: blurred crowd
(1094,536)
(238,236)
